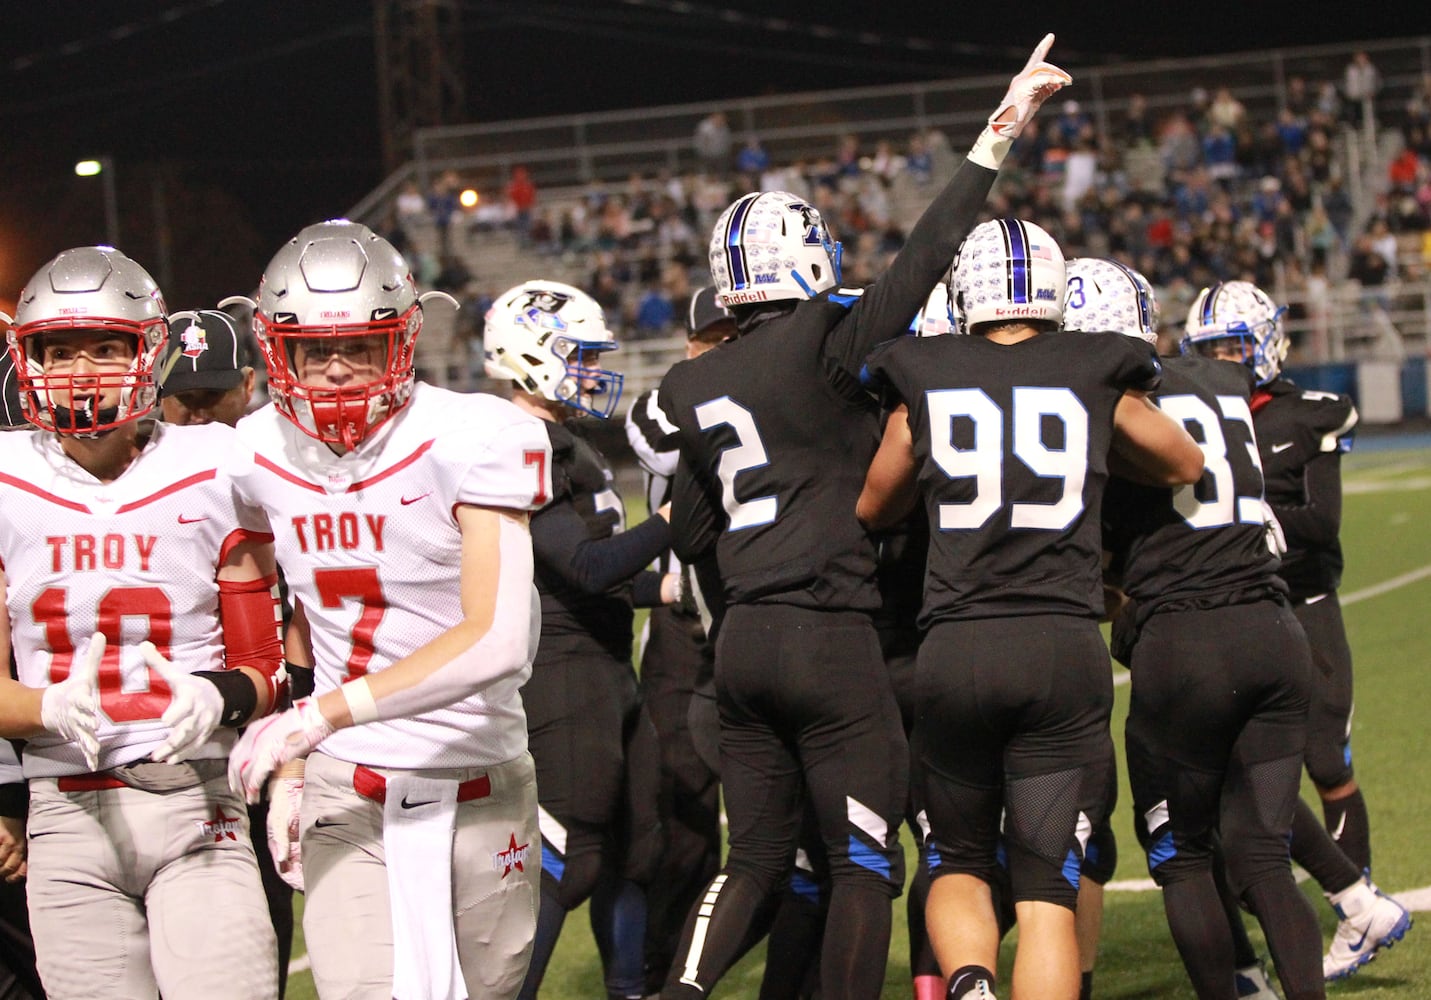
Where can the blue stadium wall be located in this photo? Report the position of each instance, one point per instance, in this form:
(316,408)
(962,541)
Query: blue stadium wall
(1386,392)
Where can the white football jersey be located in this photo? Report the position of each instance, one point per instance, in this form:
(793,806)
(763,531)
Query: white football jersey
(135,559)
(369,543)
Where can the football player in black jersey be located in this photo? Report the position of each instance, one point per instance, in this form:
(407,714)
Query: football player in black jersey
(1107,296)
(1009,435)
(1301,436)
(595,750)
(1221,675)
(775,433)
(677,687)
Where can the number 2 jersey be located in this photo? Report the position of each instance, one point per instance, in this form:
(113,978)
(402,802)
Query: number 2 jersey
(776,432)
(1012,443)
(369,544)
(136,558)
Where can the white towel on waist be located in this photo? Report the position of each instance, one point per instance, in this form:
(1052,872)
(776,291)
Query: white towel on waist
(419,816)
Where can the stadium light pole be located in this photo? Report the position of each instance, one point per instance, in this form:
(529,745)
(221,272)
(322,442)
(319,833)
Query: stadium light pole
(104,167)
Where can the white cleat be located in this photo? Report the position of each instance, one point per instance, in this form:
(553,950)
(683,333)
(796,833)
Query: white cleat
(1368,922)
(1253,984)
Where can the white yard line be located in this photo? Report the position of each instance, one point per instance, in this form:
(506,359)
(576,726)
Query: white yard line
(1386,586)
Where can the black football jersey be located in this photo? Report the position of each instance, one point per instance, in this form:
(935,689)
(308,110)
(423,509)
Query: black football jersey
(582,481)
(1208,539)
(775,431)
(1012,444)
(1302,435)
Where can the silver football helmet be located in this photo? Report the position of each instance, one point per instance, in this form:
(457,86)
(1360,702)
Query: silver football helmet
(87,290)
(338,290)
(1104,295)
(545,337)
(772,246)
(1242,312)
(1007,269)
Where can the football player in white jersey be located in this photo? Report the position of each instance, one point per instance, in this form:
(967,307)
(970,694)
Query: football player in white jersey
(141,619)
(402,529)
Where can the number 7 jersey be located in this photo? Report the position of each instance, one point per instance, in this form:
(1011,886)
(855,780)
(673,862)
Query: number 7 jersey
(136,559)
(369,544)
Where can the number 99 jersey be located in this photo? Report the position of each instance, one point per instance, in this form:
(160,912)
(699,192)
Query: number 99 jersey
(370,546)
(1012,444)
(136,559)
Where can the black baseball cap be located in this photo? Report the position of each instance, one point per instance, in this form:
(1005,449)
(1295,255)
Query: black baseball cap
(705,312)
(206,350)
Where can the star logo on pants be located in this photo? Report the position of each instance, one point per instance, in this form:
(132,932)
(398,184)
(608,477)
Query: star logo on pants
(513,856)
(221,826)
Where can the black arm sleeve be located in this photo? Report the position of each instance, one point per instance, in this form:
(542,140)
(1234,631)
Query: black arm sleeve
(695,523)
(888,306)
(646,589)
(560,542)
(1316,522)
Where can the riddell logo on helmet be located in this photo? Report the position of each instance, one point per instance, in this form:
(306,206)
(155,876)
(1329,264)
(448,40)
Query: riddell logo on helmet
(72,311)
(736,298)
(1018,311)
(334,314)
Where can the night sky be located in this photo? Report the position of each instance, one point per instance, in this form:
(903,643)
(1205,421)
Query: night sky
(247,119)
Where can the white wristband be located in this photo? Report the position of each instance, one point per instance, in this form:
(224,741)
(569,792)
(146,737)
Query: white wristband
(990,149)
(361,704)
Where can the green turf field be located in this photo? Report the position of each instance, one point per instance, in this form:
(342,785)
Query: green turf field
(1386,595)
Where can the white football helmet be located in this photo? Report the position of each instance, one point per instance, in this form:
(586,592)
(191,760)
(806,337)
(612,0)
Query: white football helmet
(339,284)
(87,289)
(1007,269)
(1104,295)
(770,247)
(544,336)
(936,318)
(1240,311)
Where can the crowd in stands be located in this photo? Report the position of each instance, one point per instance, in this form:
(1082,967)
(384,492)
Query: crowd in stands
(1188,195)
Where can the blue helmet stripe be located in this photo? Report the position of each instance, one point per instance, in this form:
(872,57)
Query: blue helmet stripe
(1145,308)
(1209,302)
(734,251)
(1020,274)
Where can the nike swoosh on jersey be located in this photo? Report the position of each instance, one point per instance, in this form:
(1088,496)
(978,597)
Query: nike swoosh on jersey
(1277,449)
(191,520)
(322,823)
(407,500)
(413,805)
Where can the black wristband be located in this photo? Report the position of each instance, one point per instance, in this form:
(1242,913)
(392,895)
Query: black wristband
(239,694)
(300,680)
(14,800)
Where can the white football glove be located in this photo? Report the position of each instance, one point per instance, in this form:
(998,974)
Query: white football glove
(194,711)
(285,793)
(71,708)
(1036,83)
(272,742)
(1276,538)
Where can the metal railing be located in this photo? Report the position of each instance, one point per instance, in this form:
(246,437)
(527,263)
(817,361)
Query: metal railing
(609,146)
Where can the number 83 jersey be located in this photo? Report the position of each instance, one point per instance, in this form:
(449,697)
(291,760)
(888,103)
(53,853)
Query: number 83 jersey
(368,543)
(136,559)
(1012,446)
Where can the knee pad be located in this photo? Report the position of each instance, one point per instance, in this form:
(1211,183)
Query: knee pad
(1170,858)
(570,881)
(1100,856)
(1329,763)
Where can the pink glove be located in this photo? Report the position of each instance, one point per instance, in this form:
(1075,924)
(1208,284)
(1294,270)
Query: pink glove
(285,793)
(273,741)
